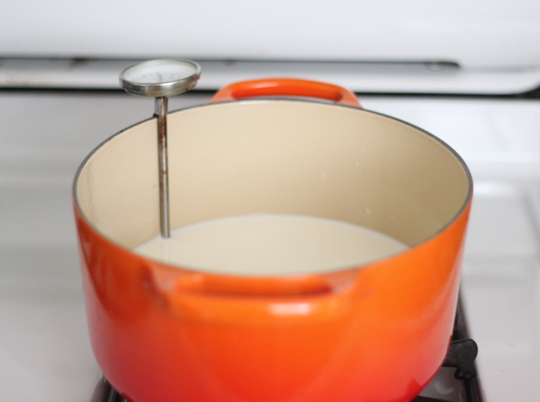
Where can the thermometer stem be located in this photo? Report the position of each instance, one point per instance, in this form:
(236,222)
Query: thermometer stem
(163,166)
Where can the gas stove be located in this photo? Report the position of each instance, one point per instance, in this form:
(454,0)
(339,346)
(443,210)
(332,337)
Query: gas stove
(451,68)
(45,352)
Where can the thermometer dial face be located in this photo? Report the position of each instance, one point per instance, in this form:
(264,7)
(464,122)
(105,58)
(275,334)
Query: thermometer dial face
(158,78)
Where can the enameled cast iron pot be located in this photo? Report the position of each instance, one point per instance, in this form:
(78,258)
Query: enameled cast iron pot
(372,333)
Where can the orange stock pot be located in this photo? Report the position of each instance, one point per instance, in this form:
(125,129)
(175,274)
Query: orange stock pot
(371,333)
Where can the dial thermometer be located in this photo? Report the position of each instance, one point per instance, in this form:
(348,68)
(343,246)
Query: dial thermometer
(160,79)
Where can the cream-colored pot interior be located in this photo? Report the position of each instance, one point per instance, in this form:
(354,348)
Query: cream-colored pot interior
(275,156)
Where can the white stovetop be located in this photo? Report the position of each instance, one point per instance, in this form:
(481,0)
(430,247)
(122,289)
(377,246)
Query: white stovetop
(44,348)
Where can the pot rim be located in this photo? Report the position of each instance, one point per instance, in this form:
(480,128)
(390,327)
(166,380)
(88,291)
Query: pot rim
(461,161)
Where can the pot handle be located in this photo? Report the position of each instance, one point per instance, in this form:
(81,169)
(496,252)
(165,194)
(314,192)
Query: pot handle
(236,300)
(287,87)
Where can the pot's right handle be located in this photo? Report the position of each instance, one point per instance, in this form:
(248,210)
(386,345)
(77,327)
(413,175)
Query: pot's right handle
(286,87)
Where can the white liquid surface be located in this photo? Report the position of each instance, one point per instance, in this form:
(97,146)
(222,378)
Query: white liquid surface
(271,245)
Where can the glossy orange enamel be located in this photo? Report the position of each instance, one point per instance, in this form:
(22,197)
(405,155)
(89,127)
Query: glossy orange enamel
(286,87)
(379,340)
(375,334)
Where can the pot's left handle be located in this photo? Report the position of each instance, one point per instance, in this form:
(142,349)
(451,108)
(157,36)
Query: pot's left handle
(228,299)
(286,87)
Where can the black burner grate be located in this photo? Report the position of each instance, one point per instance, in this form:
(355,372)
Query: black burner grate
(461,355)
